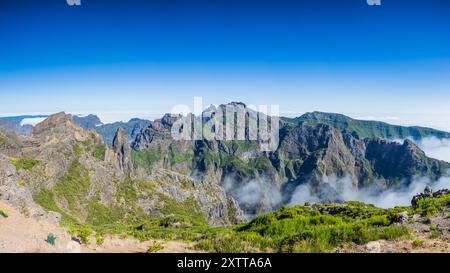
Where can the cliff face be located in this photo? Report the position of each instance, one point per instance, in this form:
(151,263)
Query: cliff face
(122,149)
(66,168)
(69,170)
(308,153)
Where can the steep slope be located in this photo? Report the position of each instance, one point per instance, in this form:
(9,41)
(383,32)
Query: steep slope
(87,122)
(308,153)
(15,124)
(132,128)
(68,170)
(364,128)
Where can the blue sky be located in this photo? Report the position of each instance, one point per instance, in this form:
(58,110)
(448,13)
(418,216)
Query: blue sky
(140,58)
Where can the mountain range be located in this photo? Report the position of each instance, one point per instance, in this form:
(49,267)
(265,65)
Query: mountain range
(316,149)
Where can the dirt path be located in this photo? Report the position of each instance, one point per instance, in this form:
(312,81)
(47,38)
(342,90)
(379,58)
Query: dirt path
(128,245)
(19,233)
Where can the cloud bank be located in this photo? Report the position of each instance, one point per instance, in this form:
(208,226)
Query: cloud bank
(384,199)
(254,196)
(435,148)
(31,121)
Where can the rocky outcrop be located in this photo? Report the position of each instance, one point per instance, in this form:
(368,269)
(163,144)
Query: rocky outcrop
(122,149)
(87,122)
(395,161)
(54,122)
(428,193)
(67,169)
(310,152)
(13,191)
(133,127)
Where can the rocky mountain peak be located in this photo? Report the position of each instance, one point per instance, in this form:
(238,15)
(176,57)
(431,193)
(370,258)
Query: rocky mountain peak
(59,120)
(169,119)
(236,104)
(87,122)
(122,149)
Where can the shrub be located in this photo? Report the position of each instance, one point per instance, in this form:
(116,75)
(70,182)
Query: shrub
(51,239)
(430,206)
(417,243)
(155,247)
(315,228)
(24,163)
(434,232)
(99,239)
(99,152)
(82,233)
(4,213)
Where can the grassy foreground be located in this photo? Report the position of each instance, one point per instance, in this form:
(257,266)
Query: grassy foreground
(309,228)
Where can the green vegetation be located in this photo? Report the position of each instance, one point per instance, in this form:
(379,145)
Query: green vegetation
(82,232)
(4,142)
(430,206)
(45,198)
(364,128)
(73,186)
(417,243)
(309,228)
(187,212)
(24,163)
(99,239)
(21,182)
(3,213)
(180,158)
(51,239)
(146,158)
(241,145)
(86,218)
(99,152)
(317,228)
(155,247)
(434,232)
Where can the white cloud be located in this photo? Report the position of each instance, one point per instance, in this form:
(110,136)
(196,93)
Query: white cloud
(31,121)
(253,193)
(436,148)
(385,199)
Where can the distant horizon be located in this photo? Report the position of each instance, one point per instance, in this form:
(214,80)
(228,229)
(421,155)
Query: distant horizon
(423,120)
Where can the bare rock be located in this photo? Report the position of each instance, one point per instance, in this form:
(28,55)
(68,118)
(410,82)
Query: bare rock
(373,247)
(122,149)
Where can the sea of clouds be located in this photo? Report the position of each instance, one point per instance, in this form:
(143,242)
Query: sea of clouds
(261,192)
(31,121)
(432,146)
(435,148)
(384,199)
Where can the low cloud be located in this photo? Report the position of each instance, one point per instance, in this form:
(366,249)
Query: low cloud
(255,195)
(345,190)
(31,121)
(432,146)
(435,148)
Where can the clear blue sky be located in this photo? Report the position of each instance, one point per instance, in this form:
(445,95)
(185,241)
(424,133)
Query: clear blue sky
(122,57)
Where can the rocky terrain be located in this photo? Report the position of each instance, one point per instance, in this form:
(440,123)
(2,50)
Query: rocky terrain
(68,171)
(308,153)
(430,230)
